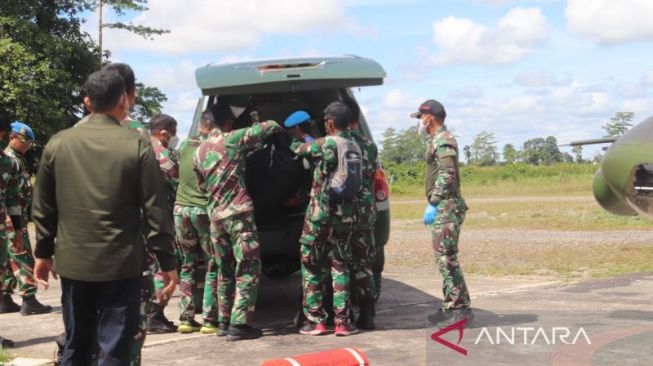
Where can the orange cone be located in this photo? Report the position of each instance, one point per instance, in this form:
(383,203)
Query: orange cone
(333,357)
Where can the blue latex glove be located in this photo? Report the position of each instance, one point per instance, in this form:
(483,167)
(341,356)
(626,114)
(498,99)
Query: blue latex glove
(430,214)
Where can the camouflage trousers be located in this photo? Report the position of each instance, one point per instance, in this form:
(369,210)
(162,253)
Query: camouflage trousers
(6,275)
(325,250)
(21,261)
(444,233)
(193,231)
(147,289)
(363,255)
(238,257)
(159,283)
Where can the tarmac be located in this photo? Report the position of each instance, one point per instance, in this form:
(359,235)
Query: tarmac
(519,321)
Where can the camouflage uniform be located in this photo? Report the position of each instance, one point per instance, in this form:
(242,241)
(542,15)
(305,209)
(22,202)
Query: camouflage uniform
(192,226)
(442,185)
(362,238)
(20,256)
(220,167)
(325,238)
(9,205)
(168,162)
(147,284)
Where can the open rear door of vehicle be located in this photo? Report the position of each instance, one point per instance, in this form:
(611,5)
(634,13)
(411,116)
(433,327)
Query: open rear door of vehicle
(289,75)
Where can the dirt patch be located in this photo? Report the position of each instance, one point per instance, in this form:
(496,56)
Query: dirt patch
(526,251)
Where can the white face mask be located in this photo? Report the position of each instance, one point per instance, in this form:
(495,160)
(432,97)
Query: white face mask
(172,144)
(422,129)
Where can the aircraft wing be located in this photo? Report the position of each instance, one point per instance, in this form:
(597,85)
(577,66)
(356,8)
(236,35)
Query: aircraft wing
(604,140)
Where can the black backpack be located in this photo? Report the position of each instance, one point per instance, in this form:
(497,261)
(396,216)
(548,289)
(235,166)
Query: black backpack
(346,181)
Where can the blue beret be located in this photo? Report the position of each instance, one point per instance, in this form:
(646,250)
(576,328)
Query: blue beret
(23,129)
(296,118)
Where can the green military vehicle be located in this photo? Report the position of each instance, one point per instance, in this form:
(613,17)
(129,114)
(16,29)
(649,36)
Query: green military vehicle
(272,90)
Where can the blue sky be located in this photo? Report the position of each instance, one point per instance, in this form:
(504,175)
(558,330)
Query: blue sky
(519,69)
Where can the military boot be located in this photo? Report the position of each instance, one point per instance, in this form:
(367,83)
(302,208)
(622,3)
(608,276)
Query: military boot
(366,315)
(32,306)
(7,304)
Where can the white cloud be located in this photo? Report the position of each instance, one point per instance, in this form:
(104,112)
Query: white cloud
(228,25)
(611,22)
(468,92)
(516,35)
(648,79)
(541,79)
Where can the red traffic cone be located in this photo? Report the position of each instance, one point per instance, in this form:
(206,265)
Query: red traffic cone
(333,357)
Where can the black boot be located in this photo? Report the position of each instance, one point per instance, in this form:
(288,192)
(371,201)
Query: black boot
(7,304)
(239,332)
(366,315)
(157,321)
(32,306)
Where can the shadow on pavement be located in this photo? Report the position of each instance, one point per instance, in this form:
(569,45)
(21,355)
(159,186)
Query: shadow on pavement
(35,341)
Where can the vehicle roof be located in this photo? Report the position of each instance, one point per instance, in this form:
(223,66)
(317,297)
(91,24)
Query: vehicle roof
(288,74)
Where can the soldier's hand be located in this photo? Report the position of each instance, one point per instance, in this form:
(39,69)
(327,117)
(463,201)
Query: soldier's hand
(170,281)
(42,271)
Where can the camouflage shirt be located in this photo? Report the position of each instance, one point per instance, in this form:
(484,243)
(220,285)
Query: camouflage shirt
(366,199)
(442,179)
(9,189)
(24,179)
(219,164)
(169,164)
(136,126)
(324,153)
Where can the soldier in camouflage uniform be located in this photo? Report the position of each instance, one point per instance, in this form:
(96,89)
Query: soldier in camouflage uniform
(9,208)
(328,223)
(192,226)
(445,211)
(363,248)
(163,131)
(20,251)
(220,167)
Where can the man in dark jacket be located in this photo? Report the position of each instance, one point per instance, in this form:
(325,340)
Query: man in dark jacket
(93,182)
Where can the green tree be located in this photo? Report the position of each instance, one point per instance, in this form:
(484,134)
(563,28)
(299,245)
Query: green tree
(510,154)
(540,150)
(578,153)
(468,153)
(483,150)
(148,102)
(619,124)
(45,59)
(120,7)
(405,147)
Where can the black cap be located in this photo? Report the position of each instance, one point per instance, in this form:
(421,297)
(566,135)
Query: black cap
(432,107)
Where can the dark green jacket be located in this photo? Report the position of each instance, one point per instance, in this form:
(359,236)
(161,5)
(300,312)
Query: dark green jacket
(92,183)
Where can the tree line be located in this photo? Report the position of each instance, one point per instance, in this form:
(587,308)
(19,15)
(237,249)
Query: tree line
(407,147)
(45,57)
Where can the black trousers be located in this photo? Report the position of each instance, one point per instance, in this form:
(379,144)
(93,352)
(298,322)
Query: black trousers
(99,314)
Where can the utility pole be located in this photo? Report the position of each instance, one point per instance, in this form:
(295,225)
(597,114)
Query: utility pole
(100,30)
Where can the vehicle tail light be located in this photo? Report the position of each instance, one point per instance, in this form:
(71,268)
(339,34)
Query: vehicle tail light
(381,190)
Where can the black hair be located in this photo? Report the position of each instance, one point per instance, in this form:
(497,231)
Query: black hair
(104,89)
(126,72)
(221,113)
(162,122)
(340,113)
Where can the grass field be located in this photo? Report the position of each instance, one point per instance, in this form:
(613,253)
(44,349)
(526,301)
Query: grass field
(4,357)
(532,206)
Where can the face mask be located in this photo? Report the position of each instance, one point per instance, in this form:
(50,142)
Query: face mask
(422,129)
(172,144)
